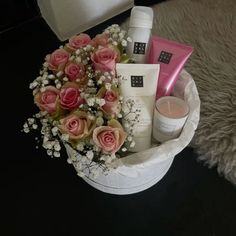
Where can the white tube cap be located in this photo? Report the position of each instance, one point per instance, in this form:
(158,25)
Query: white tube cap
(141,17)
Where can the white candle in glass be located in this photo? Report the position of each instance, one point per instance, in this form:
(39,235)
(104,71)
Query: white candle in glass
(169,118)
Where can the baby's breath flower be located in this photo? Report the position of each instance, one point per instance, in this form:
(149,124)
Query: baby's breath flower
(45,64)
(100,101)
(44,121)
(91,101)
(126,124)
(124,43)
(45,82)
(58,85)
(102,78)
(45,139)
(45,75)
(91,117)
(129,39)
(65,137)
(26,125)
(113,156)
(108,159)
(31,121)
(99,113)
(77,52)
(129,138)
(48,145)
(34,126)
(26,130)
(94,172)
(65,79)
(85,62)
(57,146)
(132,144)
(90,83)
(90,155)
(51,76)
(115,81)
(33,84)
(74,155)
(99,121)
(42,89)
(108,86)
(82,95)
(54,131)
(121,34)
(78,165)
(78,59)
(56,154)
(60,73)
(43,113)
(80,146)
(71,58)
(49,152)
(99,82)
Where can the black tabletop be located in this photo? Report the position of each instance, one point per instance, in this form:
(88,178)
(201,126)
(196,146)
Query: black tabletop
(44,196)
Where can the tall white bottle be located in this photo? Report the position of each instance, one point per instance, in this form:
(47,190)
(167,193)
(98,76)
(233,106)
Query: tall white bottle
(140,26)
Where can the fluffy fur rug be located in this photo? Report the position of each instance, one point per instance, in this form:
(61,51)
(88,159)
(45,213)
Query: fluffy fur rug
(210,27)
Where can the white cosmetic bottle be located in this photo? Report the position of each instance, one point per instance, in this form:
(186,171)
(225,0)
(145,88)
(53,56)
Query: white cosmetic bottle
(140,26)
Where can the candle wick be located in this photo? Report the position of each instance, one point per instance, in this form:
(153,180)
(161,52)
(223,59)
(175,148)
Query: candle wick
(168,105)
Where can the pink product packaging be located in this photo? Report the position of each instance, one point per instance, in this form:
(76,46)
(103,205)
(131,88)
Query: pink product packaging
(171,56)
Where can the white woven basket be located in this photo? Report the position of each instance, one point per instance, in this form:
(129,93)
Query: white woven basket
(139,171)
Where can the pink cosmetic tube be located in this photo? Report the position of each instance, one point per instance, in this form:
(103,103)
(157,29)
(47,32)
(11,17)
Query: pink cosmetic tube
(171,56)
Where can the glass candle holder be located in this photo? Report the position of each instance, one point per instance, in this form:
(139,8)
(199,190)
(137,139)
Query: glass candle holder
(170,115)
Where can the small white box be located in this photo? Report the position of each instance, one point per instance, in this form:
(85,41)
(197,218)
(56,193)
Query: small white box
(68,18)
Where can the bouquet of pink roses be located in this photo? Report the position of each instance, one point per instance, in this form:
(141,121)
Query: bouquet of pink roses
(77,93)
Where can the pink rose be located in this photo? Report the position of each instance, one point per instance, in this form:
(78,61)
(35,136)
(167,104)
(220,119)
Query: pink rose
(47,100)
(77,125)
(58,59)
(74,71)
(70,96)
(109,138)
(100,39)
(105,58)
(78,41)
(112,105)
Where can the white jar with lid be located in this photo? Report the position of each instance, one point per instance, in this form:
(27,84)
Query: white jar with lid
(140,26)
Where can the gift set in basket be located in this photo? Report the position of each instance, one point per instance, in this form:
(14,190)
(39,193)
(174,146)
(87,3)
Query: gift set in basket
(120,103)
(141,170)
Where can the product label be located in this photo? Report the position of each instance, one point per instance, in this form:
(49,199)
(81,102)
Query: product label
(139,48)
(165,57)
(167,129)
(136,81)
